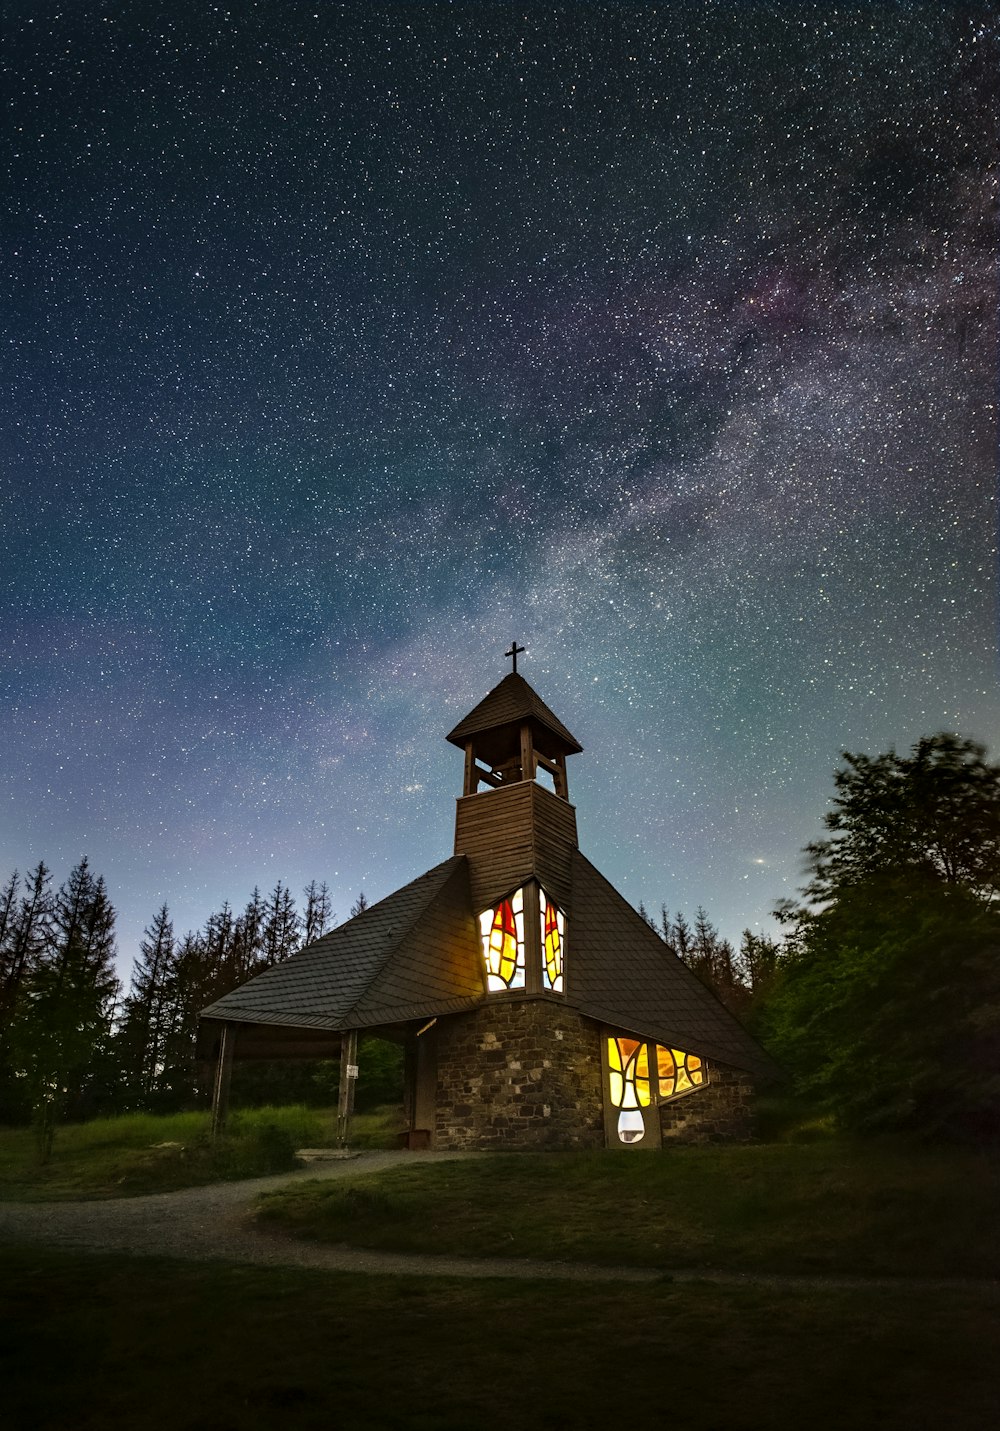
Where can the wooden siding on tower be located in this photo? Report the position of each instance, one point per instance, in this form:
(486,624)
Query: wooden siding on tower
(513,834)
(555,842)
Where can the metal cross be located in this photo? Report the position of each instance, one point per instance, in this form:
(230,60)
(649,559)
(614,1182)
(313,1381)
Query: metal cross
(514,652)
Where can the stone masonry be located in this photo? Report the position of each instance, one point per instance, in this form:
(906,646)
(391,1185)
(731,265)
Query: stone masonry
(720,1112)
(520,1074)
(516,1074)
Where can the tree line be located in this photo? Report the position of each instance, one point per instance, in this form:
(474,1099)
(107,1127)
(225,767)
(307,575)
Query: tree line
(739,977)
(73,1042)
(880,998)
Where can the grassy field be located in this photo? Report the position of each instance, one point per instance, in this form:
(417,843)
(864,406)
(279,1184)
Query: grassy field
(102,1343)
(143,1153)
(833,1207)
(109,1343)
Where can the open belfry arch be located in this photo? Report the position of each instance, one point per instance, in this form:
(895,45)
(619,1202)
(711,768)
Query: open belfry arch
(536,1007)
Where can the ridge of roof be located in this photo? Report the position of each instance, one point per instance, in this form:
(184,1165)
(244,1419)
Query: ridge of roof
(508,702)
(326,981)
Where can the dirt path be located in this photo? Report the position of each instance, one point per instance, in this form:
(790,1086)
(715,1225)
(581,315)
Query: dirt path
(210,1223)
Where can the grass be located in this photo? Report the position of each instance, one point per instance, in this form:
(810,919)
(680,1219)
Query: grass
(144,1152)
(102,1343)
(831,1207)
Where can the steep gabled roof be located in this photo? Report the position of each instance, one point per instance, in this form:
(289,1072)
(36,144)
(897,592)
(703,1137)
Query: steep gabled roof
(620,972)
(509,703)
(415,954)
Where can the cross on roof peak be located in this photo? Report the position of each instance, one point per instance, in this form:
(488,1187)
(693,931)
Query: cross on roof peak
(514,652)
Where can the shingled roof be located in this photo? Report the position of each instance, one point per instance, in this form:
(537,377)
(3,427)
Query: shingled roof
(509,703)
(620,971)
(415,954)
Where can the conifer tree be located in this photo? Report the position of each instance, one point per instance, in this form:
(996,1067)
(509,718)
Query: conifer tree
(24,930)
(25,911)
(318,916)
(148,1012)
(280,934)
(66,1002)
(191,989)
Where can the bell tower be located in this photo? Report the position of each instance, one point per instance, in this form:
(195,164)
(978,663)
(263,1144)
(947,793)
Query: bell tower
(512,736)
(515,832)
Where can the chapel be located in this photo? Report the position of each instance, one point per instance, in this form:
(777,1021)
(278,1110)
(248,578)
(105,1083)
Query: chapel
(536,1007)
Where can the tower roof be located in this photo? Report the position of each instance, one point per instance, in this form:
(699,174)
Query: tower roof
(509,703)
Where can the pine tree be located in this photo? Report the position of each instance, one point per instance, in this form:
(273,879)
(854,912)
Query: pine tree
(192,987)
(280,936)
(713,960)
(148,1012)
(318,917)
(249,939)
(61,1028)
(758,962)
(359,906)
(680,940)
(24,929)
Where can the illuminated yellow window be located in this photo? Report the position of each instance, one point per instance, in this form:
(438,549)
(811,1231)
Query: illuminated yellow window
(628,1067)
(553,939)
(502,931)
(678,1072)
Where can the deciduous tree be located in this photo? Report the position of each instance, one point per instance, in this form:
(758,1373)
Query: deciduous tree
(886,1001)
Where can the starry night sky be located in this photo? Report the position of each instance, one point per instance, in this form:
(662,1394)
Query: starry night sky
(345,343)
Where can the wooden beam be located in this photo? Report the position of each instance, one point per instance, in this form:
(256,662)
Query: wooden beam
(223,1077)
(347,1084)
(263,1050)
(527,753)
(532,939)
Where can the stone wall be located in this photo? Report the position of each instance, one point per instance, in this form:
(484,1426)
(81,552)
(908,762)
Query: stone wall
(519,1074)
(526,1073)
(719,1113)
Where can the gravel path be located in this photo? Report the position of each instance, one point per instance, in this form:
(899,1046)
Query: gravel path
(211,1223)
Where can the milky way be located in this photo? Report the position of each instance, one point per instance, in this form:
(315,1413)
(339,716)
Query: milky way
(346,343)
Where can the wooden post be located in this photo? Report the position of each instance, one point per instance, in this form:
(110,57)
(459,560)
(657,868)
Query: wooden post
(527,753)
(471,782)
(348,1080)
(223,1076)
(561,783)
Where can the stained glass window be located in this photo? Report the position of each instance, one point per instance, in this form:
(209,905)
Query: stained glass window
(628,1067)
(553,939)
(502,932)
(678,1072)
